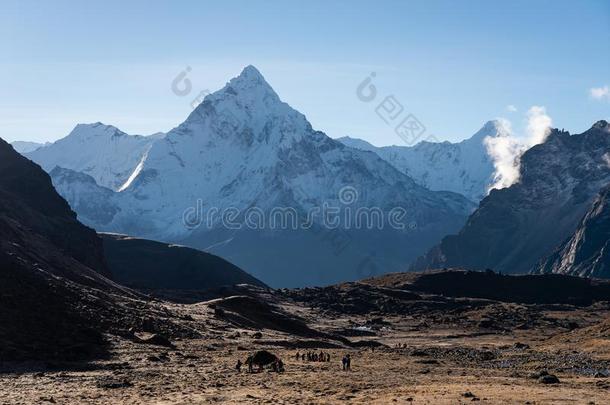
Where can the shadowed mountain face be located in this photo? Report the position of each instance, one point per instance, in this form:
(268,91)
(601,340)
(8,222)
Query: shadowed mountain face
(587,252)
(515,227)
(55,301)
(30,205)
(44,253)
(150,265)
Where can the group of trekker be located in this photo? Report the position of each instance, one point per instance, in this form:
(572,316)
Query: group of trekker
(313,356)
(277,365)
(346,361)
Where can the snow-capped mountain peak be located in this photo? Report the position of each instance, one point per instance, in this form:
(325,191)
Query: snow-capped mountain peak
(104,152)
(245,106)
(97,129)
(244,148)
(492,128)
(250,78)
(463,167)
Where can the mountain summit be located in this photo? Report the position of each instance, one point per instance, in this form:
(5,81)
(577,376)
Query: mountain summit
(244,150)
(464,167)
(104,152)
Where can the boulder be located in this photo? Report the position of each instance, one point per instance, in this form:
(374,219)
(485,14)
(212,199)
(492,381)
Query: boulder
(548,379)
(263,358)
(154,339)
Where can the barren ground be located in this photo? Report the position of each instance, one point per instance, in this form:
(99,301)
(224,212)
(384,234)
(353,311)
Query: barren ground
(435,365)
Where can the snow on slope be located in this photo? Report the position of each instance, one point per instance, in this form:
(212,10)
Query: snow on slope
(102,151)
(243,147)
(463,167)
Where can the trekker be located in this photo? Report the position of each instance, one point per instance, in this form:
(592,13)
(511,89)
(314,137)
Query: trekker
(238,365)
(249,361)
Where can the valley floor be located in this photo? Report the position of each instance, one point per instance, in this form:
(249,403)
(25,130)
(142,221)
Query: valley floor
(432,366)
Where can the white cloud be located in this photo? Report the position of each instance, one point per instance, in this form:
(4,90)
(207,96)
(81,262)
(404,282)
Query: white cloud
(600,93)
(511,108)
(538,125)
(506,151)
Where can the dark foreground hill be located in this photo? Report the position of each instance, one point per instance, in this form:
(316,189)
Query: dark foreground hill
(55,299)
(150,265)
(527,289)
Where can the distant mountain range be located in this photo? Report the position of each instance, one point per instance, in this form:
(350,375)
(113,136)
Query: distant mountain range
(244,151)
(241,149)
(26,147)
(104,152)
(464,167)
(554,213)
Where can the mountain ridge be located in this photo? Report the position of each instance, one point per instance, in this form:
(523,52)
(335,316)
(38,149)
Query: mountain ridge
(243,147)
(515,227)
(102,151)
(463,167)
(587,252)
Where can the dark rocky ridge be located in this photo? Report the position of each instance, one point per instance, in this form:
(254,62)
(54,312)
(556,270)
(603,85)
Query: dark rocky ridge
(515,227)
(27,196)
(150,265)
(587,252)
(55,301)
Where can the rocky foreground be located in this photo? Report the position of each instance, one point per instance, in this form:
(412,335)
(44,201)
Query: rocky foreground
(410,342)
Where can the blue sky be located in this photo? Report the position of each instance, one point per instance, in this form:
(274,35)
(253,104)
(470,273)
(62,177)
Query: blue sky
(454,65)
